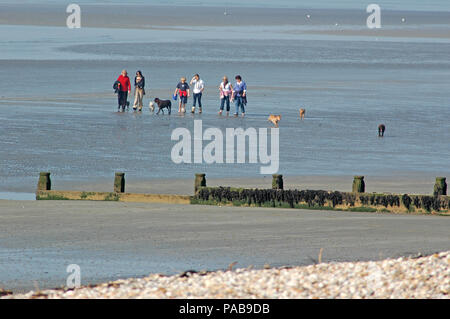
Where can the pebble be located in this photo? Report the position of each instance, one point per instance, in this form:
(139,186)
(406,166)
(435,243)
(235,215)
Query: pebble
(424,277)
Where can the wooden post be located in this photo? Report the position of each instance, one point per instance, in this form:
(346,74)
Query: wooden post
(440,187)
(200,181)
(358,184)
(277,181)
(44,183)
(119,182)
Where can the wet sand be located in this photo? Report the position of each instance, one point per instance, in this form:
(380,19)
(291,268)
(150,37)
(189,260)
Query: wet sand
(187,18)
(442,33)
(38,240)
(74,133)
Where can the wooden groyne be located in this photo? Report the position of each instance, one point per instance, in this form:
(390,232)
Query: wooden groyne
(358,200)
(113,196)
(44,192)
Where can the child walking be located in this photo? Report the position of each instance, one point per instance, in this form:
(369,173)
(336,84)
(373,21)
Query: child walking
(183,90)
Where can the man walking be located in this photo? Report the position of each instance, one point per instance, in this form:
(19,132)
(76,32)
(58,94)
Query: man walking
(199,86)
(124,90)
(239,95)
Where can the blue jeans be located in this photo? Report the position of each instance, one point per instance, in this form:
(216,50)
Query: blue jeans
(225,99)
(198,97)
(238,102)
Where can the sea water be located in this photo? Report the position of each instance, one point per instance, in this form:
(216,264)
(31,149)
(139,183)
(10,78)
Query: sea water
(58,109)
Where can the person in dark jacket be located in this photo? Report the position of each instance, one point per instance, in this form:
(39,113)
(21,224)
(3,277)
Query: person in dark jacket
(139,92)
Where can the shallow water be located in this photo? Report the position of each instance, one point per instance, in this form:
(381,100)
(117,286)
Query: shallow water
(58,113)
(17,196)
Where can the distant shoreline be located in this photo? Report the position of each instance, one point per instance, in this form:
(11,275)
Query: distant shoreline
(142,16)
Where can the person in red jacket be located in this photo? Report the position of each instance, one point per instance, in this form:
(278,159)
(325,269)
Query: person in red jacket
(124,90)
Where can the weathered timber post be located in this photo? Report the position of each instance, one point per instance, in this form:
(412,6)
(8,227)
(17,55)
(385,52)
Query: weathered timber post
(200,181)
(440,187)
(44,183)
(358,184)
(119,182)
(277,181)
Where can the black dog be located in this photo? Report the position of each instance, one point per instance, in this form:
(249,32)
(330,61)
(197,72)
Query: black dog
(381,129)
(163,104)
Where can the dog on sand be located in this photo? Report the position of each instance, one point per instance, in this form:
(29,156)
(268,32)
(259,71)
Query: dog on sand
(302,113)
(162,104)
(274,119)
(381,129)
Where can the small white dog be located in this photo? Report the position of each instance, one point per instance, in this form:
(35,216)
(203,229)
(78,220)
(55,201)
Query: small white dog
(151,106)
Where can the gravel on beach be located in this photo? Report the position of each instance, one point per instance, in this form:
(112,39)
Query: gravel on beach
(412,277)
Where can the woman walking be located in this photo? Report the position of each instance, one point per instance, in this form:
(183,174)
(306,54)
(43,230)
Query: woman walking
(239,95)
(225,89)
(199,86)
(139,92)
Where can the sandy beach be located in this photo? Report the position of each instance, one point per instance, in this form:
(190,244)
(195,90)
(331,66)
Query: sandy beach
(112,240)
(403,278)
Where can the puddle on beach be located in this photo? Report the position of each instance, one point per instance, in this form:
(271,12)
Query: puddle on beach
(17,196)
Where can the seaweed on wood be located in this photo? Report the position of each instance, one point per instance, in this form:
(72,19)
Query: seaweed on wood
(316,198)
(406,201)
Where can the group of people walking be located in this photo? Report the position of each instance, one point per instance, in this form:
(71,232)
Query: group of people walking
(229,93)
(122,87)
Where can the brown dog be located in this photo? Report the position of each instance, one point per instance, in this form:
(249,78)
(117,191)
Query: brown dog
(274,119)
(302,113)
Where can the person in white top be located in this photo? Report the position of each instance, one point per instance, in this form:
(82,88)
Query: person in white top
(199,86)
(225,89)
